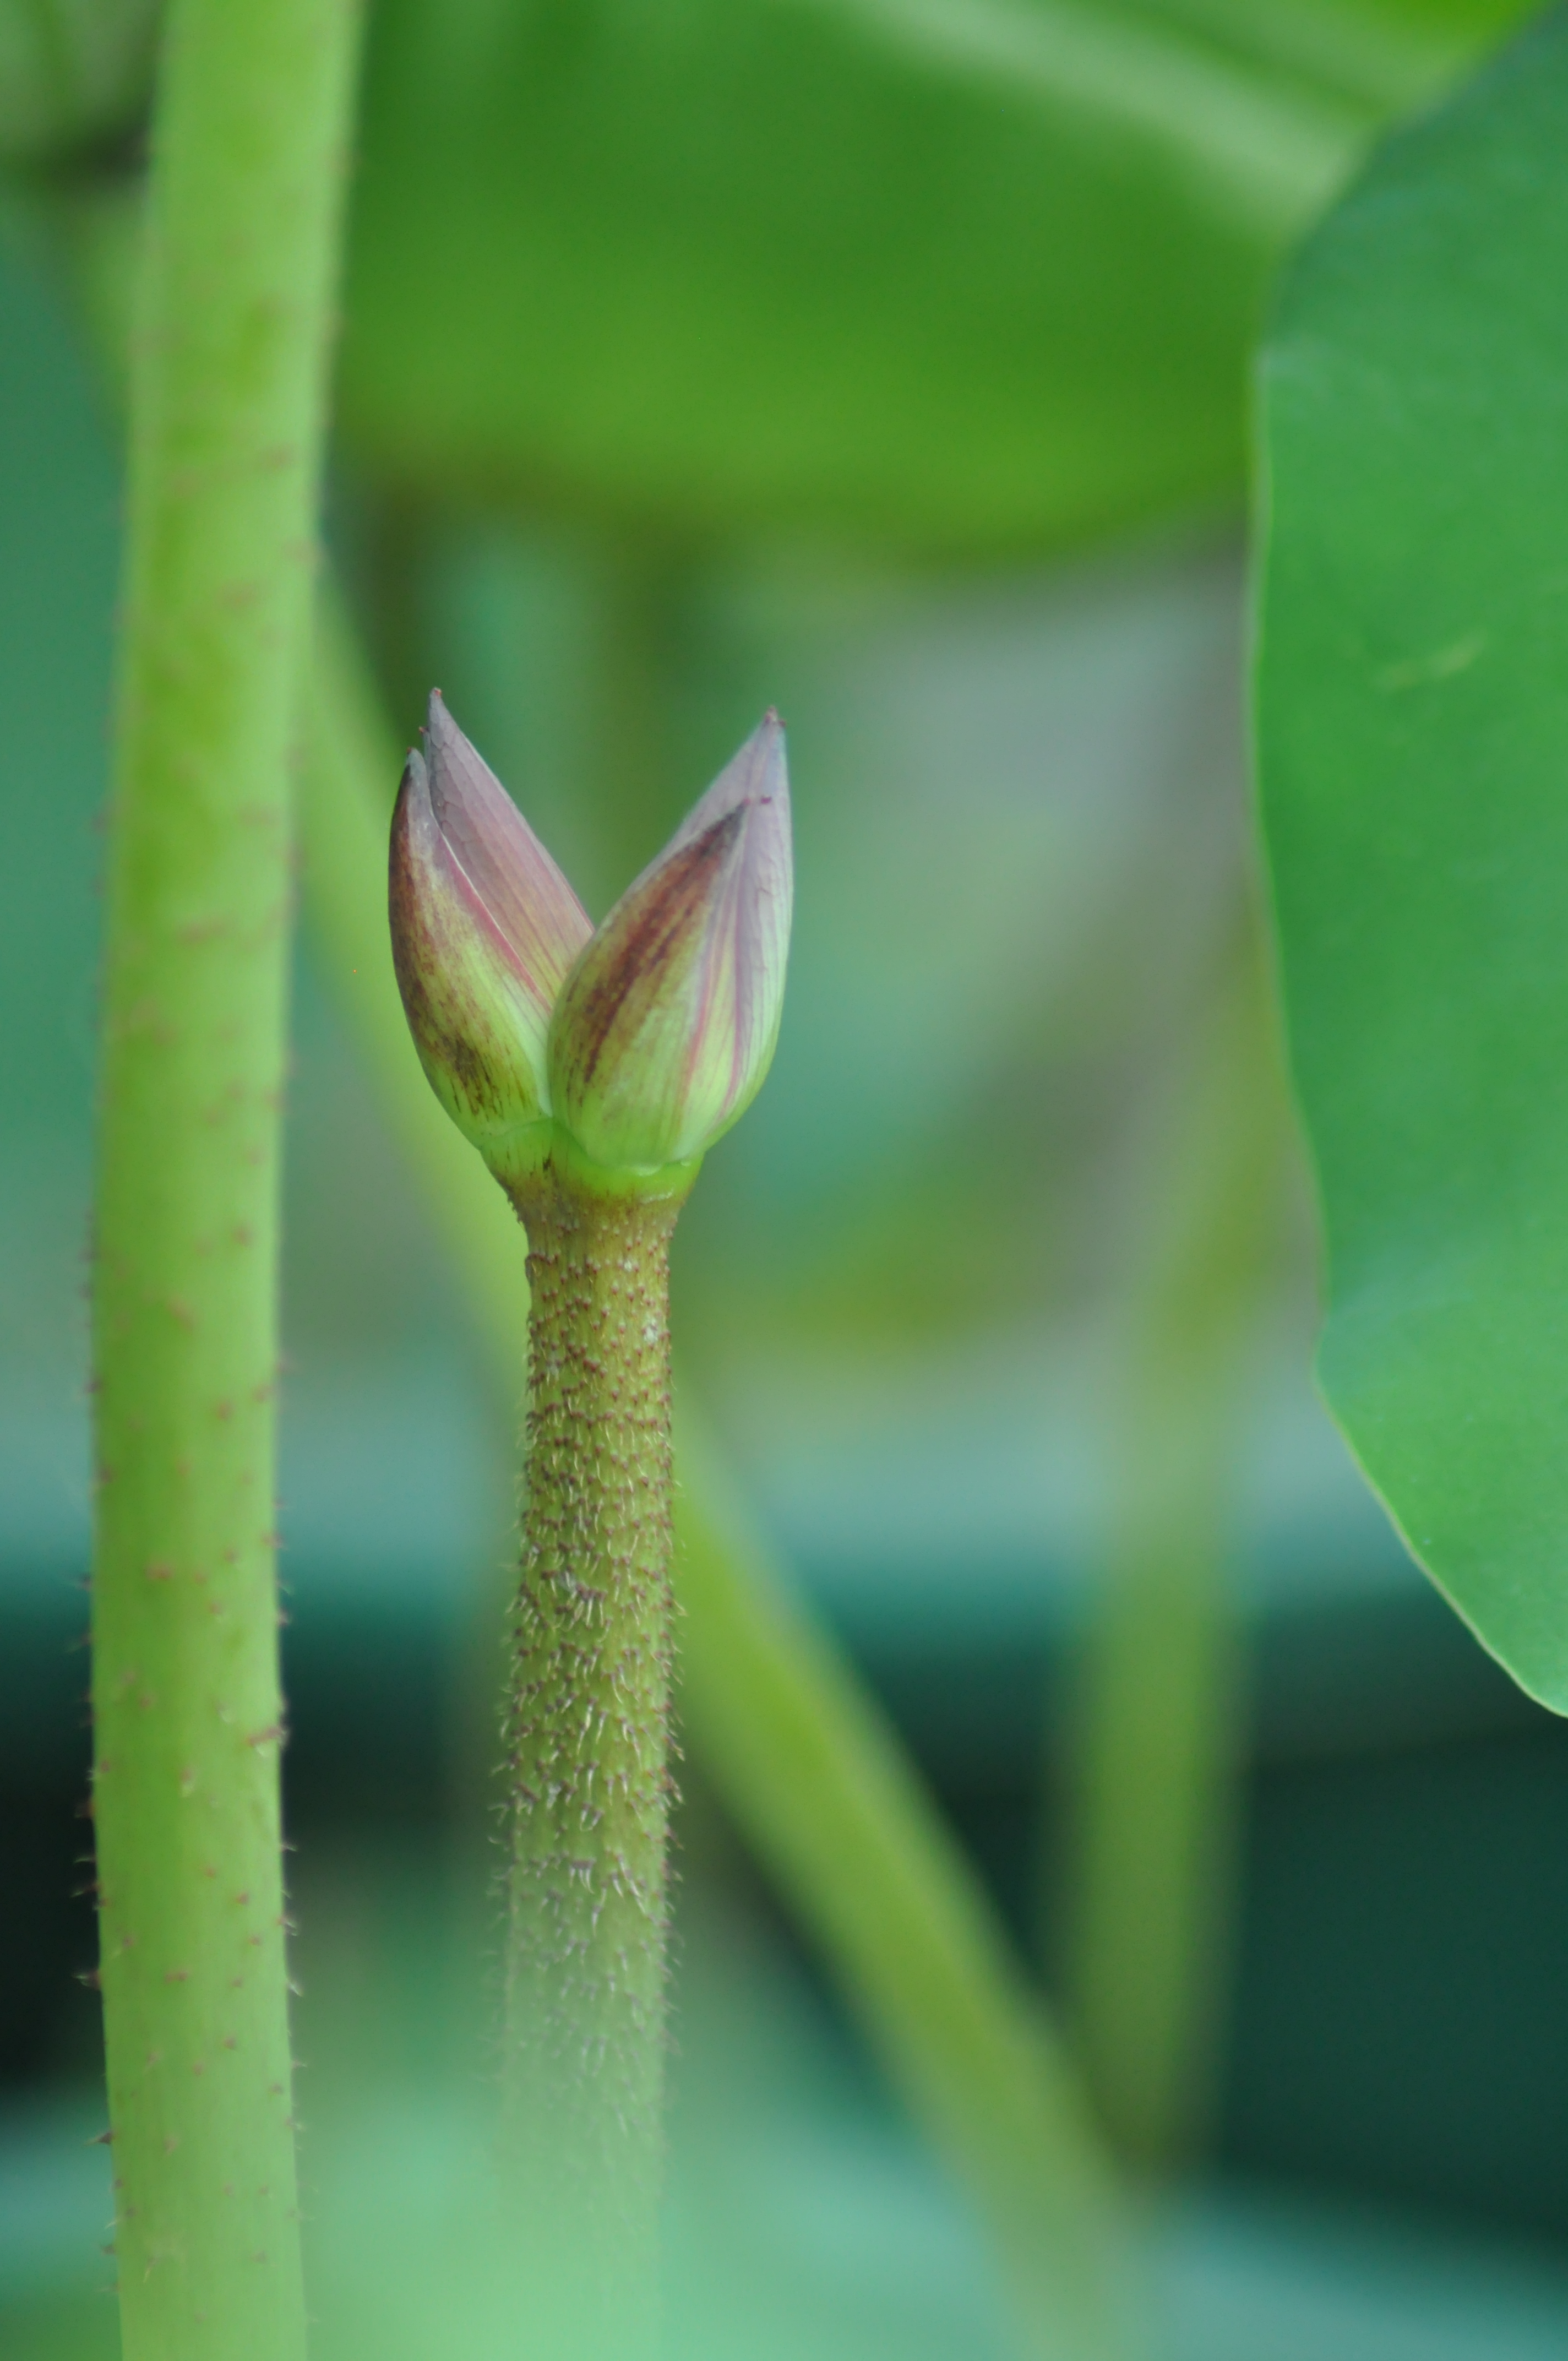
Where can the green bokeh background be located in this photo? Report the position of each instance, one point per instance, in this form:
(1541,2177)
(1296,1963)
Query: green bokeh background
(832,356)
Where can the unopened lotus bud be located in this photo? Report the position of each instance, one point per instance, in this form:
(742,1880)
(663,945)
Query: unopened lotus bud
(668,1023)
(485,928)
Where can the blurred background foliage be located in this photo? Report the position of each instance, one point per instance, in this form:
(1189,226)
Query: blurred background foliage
(886,360)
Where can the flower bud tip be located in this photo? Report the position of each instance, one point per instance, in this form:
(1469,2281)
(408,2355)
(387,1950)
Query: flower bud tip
(485,928)
(666,1025)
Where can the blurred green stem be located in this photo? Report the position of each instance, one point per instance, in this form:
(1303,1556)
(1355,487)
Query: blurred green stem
(821,1786)
(228,401)
(804,1758)
(1155,1768)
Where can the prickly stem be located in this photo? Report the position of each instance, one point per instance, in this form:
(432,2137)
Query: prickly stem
(228,411)
(588,1759)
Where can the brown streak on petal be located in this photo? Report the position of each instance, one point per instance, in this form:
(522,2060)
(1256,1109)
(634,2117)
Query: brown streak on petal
(655,927)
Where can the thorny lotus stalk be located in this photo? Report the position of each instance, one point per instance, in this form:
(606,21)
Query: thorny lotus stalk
(227,402)
(592,1070)
(587,1754)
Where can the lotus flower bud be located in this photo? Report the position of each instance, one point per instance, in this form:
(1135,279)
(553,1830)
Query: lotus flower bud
(485,928)
(667,1022)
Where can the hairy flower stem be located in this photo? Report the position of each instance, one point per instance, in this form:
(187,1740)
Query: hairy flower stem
(588,1755)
